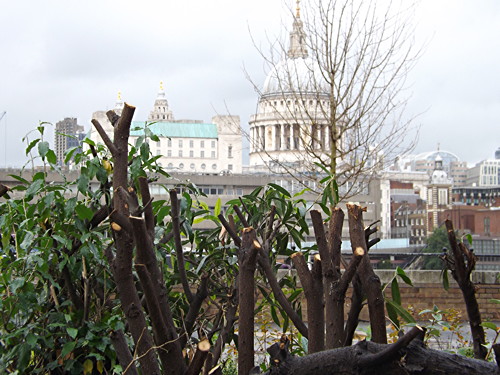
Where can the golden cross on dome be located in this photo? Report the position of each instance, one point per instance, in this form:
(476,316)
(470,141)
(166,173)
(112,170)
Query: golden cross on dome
(161,86)
(119,95)
(298,8)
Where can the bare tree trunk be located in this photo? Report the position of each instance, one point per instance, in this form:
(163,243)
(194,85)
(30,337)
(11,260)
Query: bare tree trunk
(369,280)
(312,284)
(461,262)
(247,259)
(407,356)
(122,264)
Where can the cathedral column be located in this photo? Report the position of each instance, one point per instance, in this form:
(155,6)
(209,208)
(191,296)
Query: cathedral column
(283,131)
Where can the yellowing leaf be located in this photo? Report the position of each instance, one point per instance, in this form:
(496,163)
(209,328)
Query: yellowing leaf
(88,365)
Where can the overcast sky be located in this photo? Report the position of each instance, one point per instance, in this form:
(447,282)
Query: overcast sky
(63,58)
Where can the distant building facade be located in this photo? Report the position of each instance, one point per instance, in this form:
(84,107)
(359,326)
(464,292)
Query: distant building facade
(68,134)
(484,173)
(186,146)
(438,195)
(292,112)
(425,162)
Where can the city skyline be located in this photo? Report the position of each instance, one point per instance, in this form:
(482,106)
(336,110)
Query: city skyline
(69,60)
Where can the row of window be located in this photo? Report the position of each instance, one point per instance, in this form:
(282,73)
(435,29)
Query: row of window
(180,143)
(180,154)
(192,166)
(159,189)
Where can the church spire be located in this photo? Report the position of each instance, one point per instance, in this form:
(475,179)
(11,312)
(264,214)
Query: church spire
(298,46)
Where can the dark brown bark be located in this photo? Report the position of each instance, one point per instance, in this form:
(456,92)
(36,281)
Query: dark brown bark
(199,358)
(223,338)
(147,207)
(240,215)
(230,230)
(356,307)
(461,262)
(122,262)
(357,292)
(194,308)
(123,354)
(369,280)
(164,331)
(247,257)
(408,356)
(312,283)
(267,270)
(329,251)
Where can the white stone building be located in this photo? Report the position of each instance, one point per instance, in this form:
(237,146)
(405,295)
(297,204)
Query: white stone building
(485,173)
(292,110)
(186,146)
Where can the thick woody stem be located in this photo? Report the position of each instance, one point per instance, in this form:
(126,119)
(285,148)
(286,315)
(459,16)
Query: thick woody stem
(312,283)
(199,358)
(123,352)
(369,280)
(247,258)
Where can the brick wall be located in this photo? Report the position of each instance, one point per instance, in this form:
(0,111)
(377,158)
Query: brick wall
(428,291)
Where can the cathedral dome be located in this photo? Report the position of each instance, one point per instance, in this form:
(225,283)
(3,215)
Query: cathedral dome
(295,76)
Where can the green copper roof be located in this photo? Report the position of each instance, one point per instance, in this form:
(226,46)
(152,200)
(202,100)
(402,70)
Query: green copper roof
(176,129)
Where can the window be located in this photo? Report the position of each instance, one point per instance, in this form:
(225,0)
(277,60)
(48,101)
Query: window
(230,167)
(169,153)
(191,143)
(203,166)
(213,154)
(213,144)
(202,144)
(169,143)
(230,151)
(191,153)
(180,153)
(170,165)
(180,142)
(214,166)
(202,154)
(181,166)
(191,166)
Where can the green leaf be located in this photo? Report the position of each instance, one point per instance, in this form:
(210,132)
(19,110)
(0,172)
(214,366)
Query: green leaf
(494,300)
(83,184)
(31,145)
(401,273)
(72,332)
(489,325)
(68,348)
(217,207)
(393,315)
(34,188)
(396,296)
(31,339)
(281,189)
(469,238)
(401,311)
(446,281)
(84,212)
(276,320)
(43,148)
(51,157)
